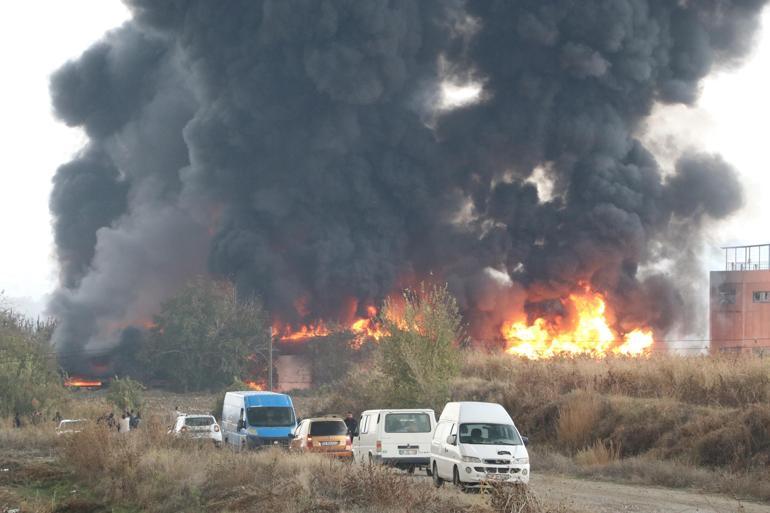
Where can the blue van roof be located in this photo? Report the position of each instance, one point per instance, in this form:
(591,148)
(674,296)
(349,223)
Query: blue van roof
(266,399)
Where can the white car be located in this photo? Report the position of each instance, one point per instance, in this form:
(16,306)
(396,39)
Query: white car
(475,443)
(397,438)
(198,427)
(68,426)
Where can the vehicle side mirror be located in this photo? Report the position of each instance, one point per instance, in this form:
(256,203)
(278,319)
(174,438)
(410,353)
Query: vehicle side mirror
(525,439)
(241,425)
(451,439)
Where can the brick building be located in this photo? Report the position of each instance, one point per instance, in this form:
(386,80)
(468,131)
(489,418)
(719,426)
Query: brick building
(740,301)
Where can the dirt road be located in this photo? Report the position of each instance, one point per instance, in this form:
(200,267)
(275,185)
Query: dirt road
(600,497)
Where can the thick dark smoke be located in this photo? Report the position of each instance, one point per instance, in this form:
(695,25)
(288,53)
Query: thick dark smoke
(301,148)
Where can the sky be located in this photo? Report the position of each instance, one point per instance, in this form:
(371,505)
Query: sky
(37,36)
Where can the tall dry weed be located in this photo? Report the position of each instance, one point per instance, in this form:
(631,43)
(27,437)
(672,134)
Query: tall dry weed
(578,418)
(39,438)
(720,380)
(598,453)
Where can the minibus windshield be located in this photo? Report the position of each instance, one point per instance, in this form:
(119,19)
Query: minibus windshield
(270,416)
(489,434)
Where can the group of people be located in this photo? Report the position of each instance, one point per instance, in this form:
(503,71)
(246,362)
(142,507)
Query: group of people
(127,421)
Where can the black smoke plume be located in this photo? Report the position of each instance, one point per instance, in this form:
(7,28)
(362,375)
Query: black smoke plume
(301,148)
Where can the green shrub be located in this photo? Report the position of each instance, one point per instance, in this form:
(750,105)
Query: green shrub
(126,394)
(28,377)
(205,335)
(421,353)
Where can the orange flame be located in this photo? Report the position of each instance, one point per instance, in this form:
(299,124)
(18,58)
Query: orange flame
(363,328)
(591,334)
(254,385)
(304,332)
(78,382)
(367,327)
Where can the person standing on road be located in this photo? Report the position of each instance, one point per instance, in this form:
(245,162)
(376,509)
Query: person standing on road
(351,423)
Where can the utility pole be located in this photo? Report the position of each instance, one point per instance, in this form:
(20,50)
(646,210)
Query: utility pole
(270,358)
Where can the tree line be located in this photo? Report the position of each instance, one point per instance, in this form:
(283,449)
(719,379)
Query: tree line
(205,337)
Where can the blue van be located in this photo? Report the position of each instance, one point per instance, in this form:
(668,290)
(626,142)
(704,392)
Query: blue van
(258,419)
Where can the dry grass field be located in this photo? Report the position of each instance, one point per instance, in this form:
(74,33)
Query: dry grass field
(701,422)
(99,471)
(698,423)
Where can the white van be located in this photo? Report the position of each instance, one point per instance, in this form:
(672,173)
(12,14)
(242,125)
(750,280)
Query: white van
(400,438)
(475,442)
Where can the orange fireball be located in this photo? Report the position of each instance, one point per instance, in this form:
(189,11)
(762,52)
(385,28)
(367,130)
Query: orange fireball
(254,385)
(591,333)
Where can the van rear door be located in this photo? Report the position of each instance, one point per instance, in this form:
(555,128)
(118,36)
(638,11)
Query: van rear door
(328,435)
(407,434)
(367,434)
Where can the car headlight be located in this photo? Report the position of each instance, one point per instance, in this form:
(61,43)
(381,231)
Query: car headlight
(471,459)
(522,461)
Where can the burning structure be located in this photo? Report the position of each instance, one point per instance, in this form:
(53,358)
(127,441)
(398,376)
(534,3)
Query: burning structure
(740,301)
(312,152)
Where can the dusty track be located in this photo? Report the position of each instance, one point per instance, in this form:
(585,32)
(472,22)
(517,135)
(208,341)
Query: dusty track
(602,497)
(581,495)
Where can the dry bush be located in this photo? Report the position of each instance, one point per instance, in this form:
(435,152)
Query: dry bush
(578,419)
(722,380)
(362,389)
(163,475)
(518,499)
(83,404)
(39,438)
(364,485)
(599,453)
(652,471)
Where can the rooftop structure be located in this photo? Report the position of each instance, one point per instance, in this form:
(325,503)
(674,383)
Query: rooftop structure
(747,258)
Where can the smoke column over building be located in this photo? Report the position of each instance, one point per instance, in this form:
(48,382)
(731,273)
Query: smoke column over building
(302,149)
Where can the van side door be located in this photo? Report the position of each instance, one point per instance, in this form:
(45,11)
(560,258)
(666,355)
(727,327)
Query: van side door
(229,421)
(438,447)
(452,450)
(446,452)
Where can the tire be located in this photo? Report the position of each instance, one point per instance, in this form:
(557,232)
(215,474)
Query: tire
(429,472)
(437,481)
(456,479)
(371,460)
(410,470)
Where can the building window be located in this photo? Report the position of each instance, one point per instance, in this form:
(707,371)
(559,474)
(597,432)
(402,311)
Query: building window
(726,295)
(762,297)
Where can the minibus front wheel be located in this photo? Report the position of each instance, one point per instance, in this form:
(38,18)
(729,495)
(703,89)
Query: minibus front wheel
(437,481)
(456,479)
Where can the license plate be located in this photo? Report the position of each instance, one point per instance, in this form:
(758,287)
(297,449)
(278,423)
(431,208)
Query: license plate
(407,452)
(329,443)
(496,477)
